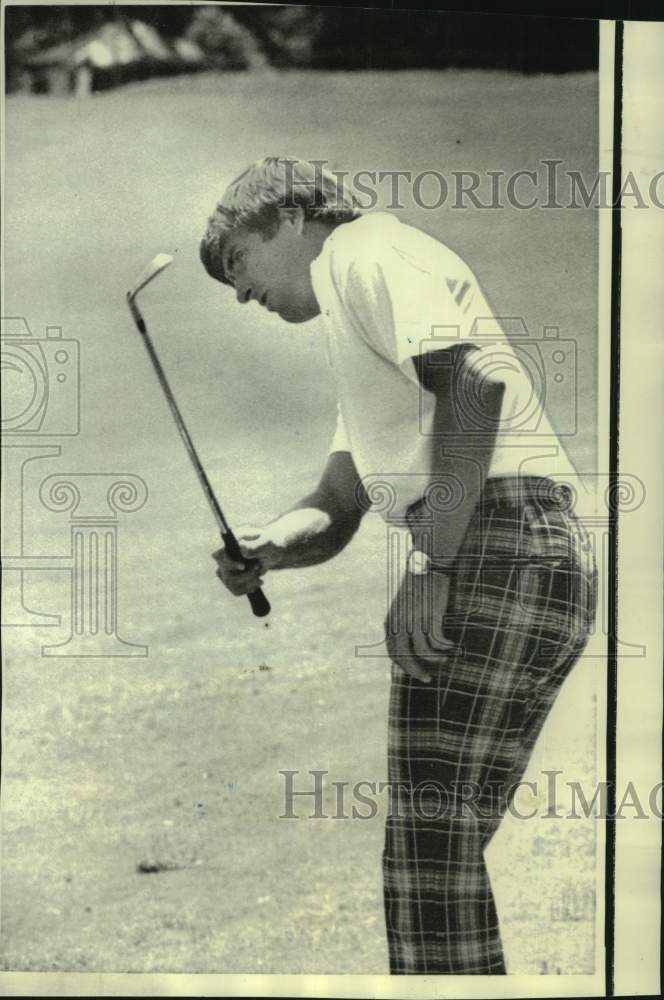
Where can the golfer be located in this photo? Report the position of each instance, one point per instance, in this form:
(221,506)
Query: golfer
(497,599)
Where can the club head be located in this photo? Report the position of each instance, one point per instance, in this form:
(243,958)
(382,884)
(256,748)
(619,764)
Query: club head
(155,267)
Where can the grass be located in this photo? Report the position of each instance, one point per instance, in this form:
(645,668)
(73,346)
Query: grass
(174,759)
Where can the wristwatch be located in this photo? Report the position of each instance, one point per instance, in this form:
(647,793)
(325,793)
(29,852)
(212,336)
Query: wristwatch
(418,563)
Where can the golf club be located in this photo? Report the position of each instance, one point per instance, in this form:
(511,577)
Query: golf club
(259,603)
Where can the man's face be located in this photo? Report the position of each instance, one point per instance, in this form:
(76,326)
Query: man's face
(274,272)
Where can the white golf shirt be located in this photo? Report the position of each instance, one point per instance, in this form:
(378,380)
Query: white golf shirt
(388,292)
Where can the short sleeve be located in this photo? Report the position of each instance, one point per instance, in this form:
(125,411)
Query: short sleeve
(402,309)
(340,440)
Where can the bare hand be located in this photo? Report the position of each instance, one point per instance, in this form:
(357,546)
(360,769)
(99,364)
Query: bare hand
(414,636)
(262,554)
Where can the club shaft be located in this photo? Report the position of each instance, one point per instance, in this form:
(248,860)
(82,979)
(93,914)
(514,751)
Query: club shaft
(177,416)
(260,605)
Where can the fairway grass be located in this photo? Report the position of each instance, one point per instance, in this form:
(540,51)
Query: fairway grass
(109,763)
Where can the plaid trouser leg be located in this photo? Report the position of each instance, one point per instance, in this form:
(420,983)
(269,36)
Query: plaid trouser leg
(439,908)
(472,730)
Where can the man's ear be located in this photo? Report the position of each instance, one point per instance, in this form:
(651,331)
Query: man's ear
(293,217)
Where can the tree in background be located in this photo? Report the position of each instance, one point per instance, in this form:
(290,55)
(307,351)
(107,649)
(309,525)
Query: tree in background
(289,36)
(227,43)
(305,36)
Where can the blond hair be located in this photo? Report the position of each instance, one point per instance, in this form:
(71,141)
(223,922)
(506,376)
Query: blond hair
(252,202)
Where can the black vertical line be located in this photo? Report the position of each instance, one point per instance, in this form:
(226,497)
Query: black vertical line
(614,448)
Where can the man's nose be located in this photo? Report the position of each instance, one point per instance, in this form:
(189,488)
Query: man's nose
(243,293)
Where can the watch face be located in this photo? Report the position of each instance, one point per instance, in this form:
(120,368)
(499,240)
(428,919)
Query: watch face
(418,562)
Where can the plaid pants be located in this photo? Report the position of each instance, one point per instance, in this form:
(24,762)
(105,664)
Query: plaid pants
(519,626)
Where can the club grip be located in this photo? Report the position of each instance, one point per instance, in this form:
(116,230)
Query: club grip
(257,599)
(259,603)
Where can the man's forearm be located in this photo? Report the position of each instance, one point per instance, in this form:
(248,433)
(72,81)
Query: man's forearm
(308,535)
(323,522)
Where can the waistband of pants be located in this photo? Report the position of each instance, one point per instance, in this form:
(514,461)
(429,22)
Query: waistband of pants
(509,492)
(514,491)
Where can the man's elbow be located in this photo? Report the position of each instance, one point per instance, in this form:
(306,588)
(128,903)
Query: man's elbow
(346,527)
(343,522)
(341,495)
